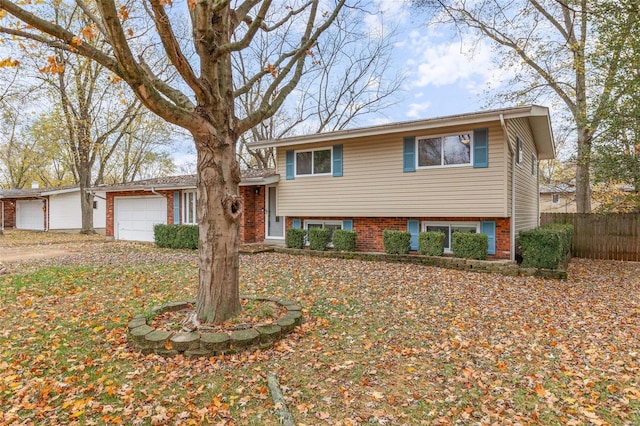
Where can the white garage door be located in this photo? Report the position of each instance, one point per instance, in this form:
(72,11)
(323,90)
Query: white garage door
(134,217)
(30,214)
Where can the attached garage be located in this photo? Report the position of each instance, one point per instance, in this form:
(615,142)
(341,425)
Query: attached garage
(30,214)
(134,217)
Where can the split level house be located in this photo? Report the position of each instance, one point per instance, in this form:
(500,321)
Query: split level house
(475,172)
(48,209)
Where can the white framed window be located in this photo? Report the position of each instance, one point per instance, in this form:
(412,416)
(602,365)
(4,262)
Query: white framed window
(332,225)
(450,228)
(314,162)
(445,150)
(189,216)
(519,151)
(555,198)
(534,165)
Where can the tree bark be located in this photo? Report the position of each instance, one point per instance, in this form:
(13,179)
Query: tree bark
(219,209)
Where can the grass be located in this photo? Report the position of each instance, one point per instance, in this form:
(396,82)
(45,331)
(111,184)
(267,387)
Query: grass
(381,344)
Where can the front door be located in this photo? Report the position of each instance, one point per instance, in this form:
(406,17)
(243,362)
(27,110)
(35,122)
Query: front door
(275,224)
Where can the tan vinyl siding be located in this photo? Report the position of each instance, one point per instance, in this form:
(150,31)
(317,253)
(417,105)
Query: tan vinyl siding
(527,194)
(373,183)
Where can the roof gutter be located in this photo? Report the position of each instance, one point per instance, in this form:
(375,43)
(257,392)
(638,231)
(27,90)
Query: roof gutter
(512,247)
(153,191)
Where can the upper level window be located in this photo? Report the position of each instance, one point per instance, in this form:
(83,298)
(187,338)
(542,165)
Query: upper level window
(519,151)
(444,150)
(189,208)
(313,162)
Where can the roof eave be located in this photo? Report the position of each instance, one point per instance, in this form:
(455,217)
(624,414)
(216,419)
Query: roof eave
(409,126)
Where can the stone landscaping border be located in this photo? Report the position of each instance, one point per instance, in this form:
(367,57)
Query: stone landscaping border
(504,267)
(195,344)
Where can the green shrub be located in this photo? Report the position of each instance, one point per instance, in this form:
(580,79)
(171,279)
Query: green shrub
(295,238)
(470,245)
(319,238)
(396,242)
(545,247)
(344,240)
(431,243)
(176,236)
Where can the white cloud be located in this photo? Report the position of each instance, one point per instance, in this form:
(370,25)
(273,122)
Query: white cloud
(416,110)
(452,62)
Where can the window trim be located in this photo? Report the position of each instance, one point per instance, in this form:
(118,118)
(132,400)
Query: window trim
(307,222)
(442,136)
(519,151)
(184,206)
(534,165)
(295,162)
(424,224)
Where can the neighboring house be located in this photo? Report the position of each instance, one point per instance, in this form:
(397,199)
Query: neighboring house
(134,208)
(48,209)
(560,198)
(475,172)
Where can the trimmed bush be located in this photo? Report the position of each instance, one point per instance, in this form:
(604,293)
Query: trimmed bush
(470,246)
(396,242)
(319,238)
(431,243)
(295,238)
(344,240)
(545,247)
(176,236)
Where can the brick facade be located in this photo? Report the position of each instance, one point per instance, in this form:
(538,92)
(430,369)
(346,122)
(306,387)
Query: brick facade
(9,213)
(252,220)
(369,230)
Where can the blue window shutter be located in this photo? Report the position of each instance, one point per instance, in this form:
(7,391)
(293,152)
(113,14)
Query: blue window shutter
(337,160)
(176,207)
(481,148)
(409,154)
(290,167)
(489,229)
(413,226)
(297,224)
(347,224)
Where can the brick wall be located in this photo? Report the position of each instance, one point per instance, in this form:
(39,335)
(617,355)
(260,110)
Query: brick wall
(9,213)
(369,230)
(252,222)
(110,205)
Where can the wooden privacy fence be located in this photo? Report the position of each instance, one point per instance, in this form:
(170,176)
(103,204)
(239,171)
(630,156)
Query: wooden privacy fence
(613,236)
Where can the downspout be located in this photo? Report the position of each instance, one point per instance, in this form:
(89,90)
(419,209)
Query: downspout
(2,223)
(512,248)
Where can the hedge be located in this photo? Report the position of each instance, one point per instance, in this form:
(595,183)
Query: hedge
(176,236)
(344,240)
(295,238)
(545,247)
(469,245)
(319,238)
(431,243)
(396,242)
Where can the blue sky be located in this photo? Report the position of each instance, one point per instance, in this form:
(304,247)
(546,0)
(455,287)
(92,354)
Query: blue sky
(444,74)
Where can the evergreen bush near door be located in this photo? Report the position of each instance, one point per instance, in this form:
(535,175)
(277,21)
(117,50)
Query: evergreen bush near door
(176,236)
(295,238)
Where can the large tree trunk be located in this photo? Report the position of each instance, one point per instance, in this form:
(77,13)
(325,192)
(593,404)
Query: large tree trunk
(219,210)
(583,182)
(86,204)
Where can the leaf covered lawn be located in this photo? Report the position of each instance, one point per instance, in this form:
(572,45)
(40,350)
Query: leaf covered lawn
(382,344)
